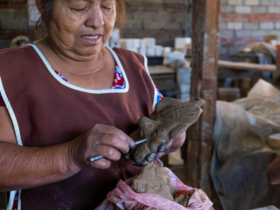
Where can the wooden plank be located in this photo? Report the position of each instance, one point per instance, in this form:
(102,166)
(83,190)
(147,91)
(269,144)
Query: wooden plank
(206,141)
(161,70)
(199,146)
(242,66)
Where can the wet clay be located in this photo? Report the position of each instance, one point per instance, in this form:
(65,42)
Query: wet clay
(183,200)
(154,180)
(171,118)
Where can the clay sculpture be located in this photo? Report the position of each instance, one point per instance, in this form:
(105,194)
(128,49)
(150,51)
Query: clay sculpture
(171,118)
(155,180)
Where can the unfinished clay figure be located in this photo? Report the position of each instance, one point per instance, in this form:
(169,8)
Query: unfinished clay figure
(183,200)
(171,118)
(155,180)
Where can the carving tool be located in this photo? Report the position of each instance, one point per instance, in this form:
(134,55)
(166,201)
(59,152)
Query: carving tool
(99,157)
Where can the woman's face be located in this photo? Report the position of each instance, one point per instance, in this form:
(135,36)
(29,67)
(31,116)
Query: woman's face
(80,28)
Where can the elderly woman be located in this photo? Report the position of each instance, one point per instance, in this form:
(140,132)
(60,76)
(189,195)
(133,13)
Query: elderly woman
(50,125)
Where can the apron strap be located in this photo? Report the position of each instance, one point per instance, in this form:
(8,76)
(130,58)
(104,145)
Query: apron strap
(12,200)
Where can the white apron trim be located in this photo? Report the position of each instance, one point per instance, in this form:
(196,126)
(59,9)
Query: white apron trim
(84,89)
(11,112)
(155,93)
(19,142)
(11,200)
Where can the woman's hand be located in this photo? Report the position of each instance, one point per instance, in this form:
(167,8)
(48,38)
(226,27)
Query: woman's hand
(103,140)
(172,146)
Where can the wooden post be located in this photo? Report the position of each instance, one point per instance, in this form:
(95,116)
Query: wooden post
(199,144)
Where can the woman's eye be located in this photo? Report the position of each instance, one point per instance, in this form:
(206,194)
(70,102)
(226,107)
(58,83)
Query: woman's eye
(79,10)
(107,8)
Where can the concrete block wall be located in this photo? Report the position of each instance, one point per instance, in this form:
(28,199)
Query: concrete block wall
(13,22)
(162,19)
(243,22)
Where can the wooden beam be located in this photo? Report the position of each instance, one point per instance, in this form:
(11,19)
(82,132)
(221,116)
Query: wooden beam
(241,66)
(205,52)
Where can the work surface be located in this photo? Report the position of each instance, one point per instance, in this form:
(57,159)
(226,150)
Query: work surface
(157,70)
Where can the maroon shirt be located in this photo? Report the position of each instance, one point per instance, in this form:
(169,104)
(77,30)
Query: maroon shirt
(1,101)
(50,113)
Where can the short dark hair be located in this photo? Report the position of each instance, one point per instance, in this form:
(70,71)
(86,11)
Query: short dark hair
(41,28)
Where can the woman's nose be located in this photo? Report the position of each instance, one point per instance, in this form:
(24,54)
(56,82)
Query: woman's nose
(95,19)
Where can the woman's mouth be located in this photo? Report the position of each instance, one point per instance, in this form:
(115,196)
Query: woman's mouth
(91,39)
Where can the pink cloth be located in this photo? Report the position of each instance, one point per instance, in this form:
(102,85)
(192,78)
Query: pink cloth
(124,198)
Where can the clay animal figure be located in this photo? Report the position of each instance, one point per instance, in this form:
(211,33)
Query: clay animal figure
(155,180)
(171,118)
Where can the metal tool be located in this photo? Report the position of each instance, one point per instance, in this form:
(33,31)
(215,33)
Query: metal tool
(99,157)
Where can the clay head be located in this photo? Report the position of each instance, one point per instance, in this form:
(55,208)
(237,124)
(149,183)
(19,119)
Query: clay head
(171,118)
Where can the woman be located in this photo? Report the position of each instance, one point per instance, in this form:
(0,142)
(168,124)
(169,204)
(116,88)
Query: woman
(61,121)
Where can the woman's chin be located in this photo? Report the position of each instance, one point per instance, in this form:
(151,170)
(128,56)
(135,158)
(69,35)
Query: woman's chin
(87,52)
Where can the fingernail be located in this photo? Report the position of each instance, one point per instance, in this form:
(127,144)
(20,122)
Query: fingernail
(150,157)
(131,147)
(163,148)
(127,156)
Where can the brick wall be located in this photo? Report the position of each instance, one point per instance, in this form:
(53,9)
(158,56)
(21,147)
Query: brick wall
(243,22)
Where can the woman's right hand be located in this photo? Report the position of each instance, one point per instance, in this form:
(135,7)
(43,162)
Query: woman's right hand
(103,140)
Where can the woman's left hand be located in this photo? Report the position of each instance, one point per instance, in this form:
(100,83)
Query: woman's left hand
(172,146)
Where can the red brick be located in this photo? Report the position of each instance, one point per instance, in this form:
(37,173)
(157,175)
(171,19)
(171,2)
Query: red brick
(264,16)
(227,42)
(257,20)
(252,39)
(272,19)
(241,19)
(239,41)
(227,20)
(234,16)
(252,15)
(223,40)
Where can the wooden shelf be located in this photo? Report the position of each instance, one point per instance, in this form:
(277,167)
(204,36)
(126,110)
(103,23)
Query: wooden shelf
(242,66)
